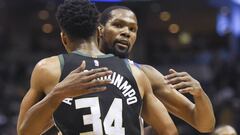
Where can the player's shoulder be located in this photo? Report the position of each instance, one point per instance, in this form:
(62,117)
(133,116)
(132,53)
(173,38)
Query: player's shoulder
(133,63)
(140,77)
(136,70)
(147,69)
(47,63)
(154,75)
(46,73)
(141,66)
(48,68)
(150,70)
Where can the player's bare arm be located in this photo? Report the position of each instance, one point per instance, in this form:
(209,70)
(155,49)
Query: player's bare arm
(178,104)
(203,114)
(35,116)
(42,81)
(153,111)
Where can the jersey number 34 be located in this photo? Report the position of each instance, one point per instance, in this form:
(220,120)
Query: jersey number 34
(112,124)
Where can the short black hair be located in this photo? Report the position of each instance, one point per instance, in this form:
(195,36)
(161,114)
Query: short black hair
(106,14)
(78,18)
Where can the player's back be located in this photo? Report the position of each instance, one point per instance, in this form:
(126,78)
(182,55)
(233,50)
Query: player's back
(115,111)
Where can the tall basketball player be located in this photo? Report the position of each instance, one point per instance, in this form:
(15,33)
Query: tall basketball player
(118,34)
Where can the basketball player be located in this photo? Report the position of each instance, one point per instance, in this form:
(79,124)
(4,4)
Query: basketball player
(77,106)
(46,75)
(118,34)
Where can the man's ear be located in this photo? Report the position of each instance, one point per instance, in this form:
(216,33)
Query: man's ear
(65,41)
(100,30)
(99,34)
(63,38)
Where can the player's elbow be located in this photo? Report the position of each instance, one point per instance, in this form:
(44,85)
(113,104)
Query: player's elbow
(23,130)
(20,130)
(207,128)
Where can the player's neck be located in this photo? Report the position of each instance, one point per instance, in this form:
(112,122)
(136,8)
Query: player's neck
(89,48)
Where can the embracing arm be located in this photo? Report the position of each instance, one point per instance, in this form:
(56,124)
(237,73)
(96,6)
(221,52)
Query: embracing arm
(203,114)
(40,81)
(39,116)
(153,111)
(204,118)
(200,115)
(155,114)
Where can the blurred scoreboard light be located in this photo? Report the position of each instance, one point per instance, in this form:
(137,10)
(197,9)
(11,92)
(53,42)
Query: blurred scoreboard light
(228,19)
(236,1)
(235,19)
(223,21)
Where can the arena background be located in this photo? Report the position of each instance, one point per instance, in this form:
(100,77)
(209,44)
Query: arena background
(201,37)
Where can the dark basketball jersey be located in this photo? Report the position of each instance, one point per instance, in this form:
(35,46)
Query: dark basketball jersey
(115,111)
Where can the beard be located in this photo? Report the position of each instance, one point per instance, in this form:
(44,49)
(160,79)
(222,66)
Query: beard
(120,54)
(118,50)
(121,51)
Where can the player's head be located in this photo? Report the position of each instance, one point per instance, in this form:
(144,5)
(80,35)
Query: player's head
(118,30)
(78,20)
(225,130)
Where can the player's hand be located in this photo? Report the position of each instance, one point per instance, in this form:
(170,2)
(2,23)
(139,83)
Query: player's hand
(80,82)
(183,82)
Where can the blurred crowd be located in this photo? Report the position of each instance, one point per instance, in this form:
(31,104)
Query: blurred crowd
(26,37)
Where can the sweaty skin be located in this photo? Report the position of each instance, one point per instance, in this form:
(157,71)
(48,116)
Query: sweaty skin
(122,25)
